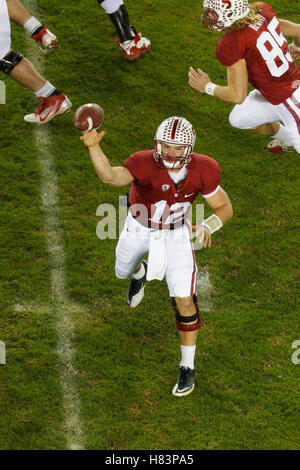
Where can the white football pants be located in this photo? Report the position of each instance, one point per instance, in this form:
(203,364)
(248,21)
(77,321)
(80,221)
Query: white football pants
(256,110)
(181,271)
(5,40)
(110,6)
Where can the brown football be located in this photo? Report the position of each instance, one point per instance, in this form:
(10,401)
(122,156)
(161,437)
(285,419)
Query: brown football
(88,116)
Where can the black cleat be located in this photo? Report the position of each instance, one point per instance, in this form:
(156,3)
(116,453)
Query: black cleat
(136,289)
(185,382)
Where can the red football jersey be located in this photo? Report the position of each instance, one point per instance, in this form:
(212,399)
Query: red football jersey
(271,69)
(155,201)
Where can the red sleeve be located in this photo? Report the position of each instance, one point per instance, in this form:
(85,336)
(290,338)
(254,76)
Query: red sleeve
(211,177)
(228,49)
(266,8)
(136,165)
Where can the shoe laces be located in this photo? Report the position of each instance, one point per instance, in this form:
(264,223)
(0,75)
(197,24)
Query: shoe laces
(184,373)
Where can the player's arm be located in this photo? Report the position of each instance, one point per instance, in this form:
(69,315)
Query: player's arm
(237,83)
(221,205)
(222,213)
(292,30)
(114,175)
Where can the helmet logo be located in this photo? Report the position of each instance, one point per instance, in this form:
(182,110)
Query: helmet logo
(228,2)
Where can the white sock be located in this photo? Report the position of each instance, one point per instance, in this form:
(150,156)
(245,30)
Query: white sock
(140,273)
(31,25)
(45,91)
(283,136)
(187,356)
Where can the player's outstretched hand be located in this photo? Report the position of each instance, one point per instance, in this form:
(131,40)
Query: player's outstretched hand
(198,79)
(203,235)
(295,54)
(92,138)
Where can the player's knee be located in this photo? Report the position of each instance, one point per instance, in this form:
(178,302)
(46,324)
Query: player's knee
(186,321)
(10,61)
(121,273)
(235,118)
(184,304)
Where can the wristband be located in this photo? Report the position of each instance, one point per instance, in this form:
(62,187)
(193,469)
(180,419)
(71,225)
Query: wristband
(210,88)
(297,48)
(213,223)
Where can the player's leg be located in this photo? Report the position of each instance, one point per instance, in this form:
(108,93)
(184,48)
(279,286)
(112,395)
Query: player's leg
(132,43)
(39,32)
(181,277)
(133,244)
(14,64)
(258,115)
(290,115)
(188,322)
(53,102)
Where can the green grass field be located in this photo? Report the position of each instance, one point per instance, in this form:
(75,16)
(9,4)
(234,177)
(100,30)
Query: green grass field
(126,360)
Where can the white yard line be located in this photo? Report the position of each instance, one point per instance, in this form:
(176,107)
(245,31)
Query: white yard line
(61,306)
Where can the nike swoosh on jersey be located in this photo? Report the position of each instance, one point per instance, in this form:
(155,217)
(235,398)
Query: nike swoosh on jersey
(188,195)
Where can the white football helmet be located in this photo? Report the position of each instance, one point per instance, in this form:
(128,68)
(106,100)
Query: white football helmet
(221,14)
(174,131)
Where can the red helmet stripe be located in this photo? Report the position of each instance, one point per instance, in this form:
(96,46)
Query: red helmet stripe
(174,128)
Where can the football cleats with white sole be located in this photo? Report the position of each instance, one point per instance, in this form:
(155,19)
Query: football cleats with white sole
(46,40)
(136,289)
(135,47)
(276,146)
(49,108)
(185,383)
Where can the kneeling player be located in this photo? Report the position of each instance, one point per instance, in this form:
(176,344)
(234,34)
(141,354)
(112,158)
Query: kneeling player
(254,49)
(164,183)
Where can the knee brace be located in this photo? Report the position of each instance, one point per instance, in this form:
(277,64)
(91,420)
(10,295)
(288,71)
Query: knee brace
(180,319)
(8,63)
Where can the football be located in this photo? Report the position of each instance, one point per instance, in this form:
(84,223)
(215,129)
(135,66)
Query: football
(88,116)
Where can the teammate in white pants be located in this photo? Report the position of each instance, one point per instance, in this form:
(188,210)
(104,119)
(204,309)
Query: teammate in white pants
(164,183)
(52,102)
(254,50)
(131,43)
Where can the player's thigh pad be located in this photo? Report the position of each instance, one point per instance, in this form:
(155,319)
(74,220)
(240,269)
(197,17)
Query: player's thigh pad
(5,40)
(133,244)
(253,112)
(181,273)
(110,6)
(290,116)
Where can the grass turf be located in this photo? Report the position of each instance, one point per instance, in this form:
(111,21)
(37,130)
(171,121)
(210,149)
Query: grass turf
(247,394)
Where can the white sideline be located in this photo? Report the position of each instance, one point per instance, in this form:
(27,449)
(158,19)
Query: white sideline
(61,306)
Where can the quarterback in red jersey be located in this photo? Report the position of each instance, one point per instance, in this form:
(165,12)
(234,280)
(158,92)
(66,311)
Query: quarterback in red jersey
(254,50)
(164,183)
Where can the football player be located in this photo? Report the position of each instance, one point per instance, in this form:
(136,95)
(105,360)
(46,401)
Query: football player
(164,183)
(131,43)
(254,50)
(52,101)
(36,30)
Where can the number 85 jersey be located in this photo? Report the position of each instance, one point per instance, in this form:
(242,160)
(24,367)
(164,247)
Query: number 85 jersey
(271,69)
